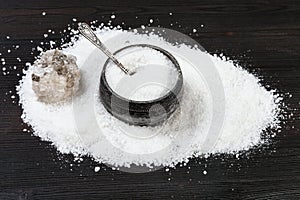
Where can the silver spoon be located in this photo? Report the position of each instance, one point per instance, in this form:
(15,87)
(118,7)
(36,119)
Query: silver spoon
(88,33)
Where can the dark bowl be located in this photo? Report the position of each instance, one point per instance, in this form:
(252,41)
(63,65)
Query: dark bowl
(141,113)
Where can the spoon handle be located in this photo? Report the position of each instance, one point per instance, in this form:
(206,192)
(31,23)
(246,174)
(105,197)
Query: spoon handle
(88,33)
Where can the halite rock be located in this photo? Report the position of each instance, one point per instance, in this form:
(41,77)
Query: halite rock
(56,77)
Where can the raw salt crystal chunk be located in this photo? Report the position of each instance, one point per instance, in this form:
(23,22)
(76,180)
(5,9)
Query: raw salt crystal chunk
(56,77)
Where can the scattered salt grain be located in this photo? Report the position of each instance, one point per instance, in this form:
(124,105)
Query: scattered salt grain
(52,43)
(39,49)
(97,169)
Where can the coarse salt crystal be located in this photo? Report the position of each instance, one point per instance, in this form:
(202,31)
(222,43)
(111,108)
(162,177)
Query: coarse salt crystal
(97,169)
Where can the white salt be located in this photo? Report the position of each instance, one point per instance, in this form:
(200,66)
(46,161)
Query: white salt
(155,74)
(97,169)
(249,109)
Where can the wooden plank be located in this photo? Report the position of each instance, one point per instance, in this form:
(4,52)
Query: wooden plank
(261,35)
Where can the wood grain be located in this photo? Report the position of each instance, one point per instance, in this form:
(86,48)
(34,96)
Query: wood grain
(262,35)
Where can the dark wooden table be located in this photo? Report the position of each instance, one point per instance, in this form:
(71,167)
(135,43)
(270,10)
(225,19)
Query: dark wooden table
(264,36)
